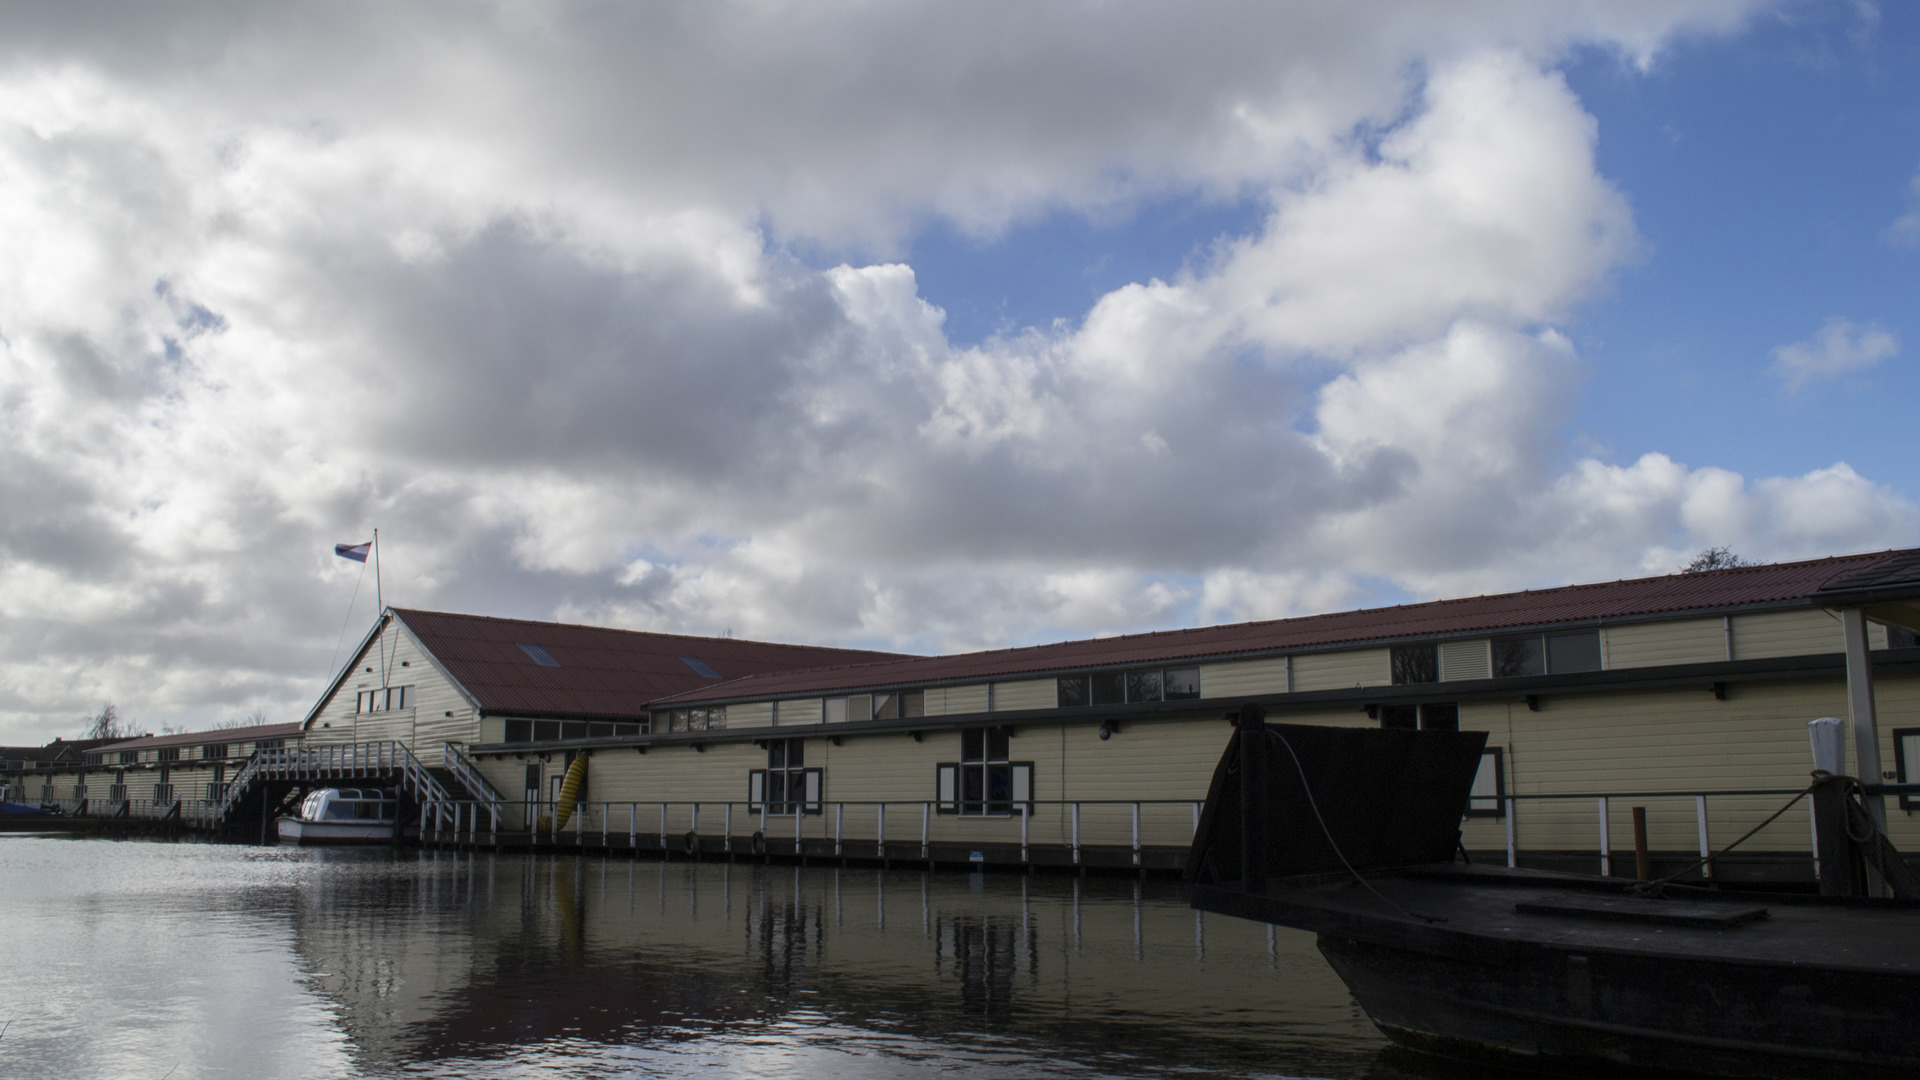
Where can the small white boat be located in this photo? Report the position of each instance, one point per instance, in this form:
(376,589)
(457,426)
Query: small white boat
(343,816)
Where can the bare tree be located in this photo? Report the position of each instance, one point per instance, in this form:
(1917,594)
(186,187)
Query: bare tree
(253,719)
(1715,558)
(108,725)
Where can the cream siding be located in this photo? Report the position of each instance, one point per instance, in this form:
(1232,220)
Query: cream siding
(1785,633)
(1466,660)
(1653,644)
(797,711)
(750,714)
(1342,670)
(1026,694)
(1238,678)
(957,700)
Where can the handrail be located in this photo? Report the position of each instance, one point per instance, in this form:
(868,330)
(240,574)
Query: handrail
(463,768)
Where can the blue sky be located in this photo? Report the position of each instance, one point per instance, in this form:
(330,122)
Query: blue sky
(921,325)
(1763,169)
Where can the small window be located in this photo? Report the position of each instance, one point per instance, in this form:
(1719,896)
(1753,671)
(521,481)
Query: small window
(519,731)
(913,703)
(1415,664)
(546,730)
(599,731)
(716,718)
(986,776)
(539,656)
(169,753)
(399,697)
(1182,684)
(129,757)
(1489,785)
(834,710)
(573,729)
(1899,637)
(886,706)
(1518,656)
(1432,716)
(1906,763)
(626,729)
(1109,688)
(214,751)
(1400,717)
(699,667)
(1574,651)
(1073,692)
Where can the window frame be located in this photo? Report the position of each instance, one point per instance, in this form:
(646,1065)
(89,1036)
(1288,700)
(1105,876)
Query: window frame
(1499,796)
(1905,767)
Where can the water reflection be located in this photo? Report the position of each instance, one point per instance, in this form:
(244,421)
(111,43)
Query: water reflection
(482,965)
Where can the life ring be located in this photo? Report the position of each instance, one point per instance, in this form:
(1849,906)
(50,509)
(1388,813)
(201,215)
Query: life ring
(691,842)
(759,842)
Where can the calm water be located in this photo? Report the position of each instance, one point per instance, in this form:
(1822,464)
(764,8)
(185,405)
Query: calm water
(137,959)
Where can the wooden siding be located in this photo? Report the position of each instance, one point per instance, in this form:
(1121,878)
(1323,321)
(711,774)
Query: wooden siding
(1786,633)
(1026,694)
(1471,659)
(1240,678)
(1680,641)
(749,714)
(957,700)
(438,714)
(1341,670)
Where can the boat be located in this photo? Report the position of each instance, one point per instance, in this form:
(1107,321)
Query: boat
(343,816)
(1353,834)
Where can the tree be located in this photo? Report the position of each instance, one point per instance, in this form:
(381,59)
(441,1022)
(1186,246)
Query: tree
(1715,558)
(108,725)
(253,719)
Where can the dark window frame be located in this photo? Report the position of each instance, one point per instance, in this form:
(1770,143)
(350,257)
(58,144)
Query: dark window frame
(1499,809)
(1904,769)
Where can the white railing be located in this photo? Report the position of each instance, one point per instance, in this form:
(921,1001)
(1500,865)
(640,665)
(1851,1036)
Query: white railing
(345,761)
(456,761)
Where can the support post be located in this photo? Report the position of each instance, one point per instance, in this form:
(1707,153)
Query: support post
(1025,821)
(1513,851)
(1076,834)
(1706,848)
(1642,858)
(1864,724)
(1606,842)
(880,834)
(839,827)
(1136,834)
(926,830)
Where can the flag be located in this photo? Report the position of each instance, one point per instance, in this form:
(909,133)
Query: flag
(356,552)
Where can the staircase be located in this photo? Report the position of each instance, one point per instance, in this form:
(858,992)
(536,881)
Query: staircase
(388,761)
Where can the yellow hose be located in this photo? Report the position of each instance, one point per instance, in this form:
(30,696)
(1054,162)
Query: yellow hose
(570,790)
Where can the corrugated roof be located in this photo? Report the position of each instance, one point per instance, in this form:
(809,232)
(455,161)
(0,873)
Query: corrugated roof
(1672,593)
(597,671)
(194,738)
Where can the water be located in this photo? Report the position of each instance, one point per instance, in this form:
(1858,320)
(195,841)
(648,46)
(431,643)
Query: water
(142,959)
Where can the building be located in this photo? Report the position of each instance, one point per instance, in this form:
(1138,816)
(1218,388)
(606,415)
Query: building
(1686,694)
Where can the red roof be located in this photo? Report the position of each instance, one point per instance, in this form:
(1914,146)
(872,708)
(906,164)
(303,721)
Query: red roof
(1781,583)
(596,671)
(253,733)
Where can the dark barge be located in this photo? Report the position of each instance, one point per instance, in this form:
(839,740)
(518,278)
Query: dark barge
(1352,833)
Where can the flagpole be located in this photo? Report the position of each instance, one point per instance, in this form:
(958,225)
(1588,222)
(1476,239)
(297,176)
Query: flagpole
(380,605)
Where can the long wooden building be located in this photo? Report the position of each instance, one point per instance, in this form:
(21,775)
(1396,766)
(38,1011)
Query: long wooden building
(1688,695)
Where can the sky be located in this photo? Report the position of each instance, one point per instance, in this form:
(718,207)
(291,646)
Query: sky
(921,326)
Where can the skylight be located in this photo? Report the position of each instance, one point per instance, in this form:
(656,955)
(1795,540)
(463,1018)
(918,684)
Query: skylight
(699,667)
(539,656)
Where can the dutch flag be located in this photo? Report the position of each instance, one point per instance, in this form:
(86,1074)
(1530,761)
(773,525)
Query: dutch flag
(356,552)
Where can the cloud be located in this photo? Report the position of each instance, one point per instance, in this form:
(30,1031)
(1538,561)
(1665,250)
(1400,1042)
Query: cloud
(519,286)
(1905,230)
(1838,348)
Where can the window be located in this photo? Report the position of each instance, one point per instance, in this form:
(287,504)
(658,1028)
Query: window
(1906,763)
(1566,653)
(1433,716)
(169,753)
(270,744)
(216,751)
(162,794)
(117,791)
(383,699)
(1415,664)
(1899,637)
(1489,785)
(786,786)
(129,757)
(833,710)
(984,783)
(1126,687)
(900,705)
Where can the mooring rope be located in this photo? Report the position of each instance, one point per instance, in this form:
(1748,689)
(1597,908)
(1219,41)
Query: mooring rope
(1648,886)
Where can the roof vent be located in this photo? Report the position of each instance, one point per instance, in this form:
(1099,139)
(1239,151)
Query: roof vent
(699,668)
(539,656)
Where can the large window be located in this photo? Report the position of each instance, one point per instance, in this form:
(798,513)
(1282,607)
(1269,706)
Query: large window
(900,705)
(384,699)
(1565,653)
(1128,687)
(786,786)
(984,782)
(1415,664)
(549,730)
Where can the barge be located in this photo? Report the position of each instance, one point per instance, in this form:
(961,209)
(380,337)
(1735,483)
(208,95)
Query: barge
(1352,834)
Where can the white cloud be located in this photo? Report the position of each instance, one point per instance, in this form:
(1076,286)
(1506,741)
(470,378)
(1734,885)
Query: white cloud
(1905,229)
(1838,348)
(514,285)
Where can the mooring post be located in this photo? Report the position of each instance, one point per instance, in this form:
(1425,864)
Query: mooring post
(1251,731)
(1606,842)
(1706,849)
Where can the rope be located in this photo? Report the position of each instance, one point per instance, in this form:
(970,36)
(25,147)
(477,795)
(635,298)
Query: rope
(1324,831)
(1648,886)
